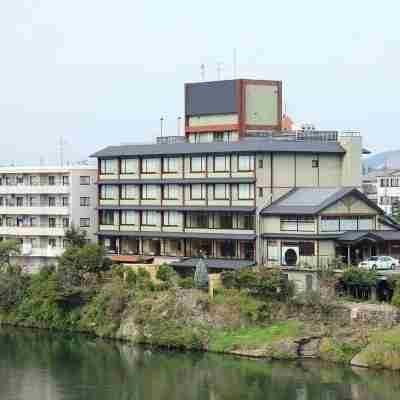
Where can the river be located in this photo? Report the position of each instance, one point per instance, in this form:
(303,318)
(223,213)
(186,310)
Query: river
(39,365)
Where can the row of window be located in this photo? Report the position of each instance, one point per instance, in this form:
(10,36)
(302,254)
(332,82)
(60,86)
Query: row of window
(175,218)
(169,165)
(37,243)
(171,192)
(389,200)
(25,221)
(34,201)
(347,223)
(34,180)
(328,223)
(389,182)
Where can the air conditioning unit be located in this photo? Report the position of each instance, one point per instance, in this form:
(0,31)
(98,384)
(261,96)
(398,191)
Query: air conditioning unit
(290,255)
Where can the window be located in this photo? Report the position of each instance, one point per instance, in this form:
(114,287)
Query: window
(84,180)
(128,217)
(225,221)
(289,223)
(315,163)
(20,180)
(65,222)
(150,165)
(52,222)
(225,137)
(108,167)
(149,192)
(52,201)
(52,243)
(84,222)
(382,182)
(348,223)
(221,191)
(198,220)
(52,180)
(330,224)
(20,201)
(150,218)
(245,191)
(297,223)
(246,221)
(245,163)
(33,180)
(84,201)
(197,164)
(170,165)
(106,217)
(260,163)
(306,249)
(33,221)
(1,201)
(170,192)
(197,192)
(109,192)
(365,223)
(221,164)
(65,180)
(218,136)
(171,218)
(65,201)
(129,166)
(129,192)
(260,192)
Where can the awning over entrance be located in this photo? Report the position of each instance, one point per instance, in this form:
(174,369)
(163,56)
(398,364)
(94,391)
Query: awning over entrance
(372,236)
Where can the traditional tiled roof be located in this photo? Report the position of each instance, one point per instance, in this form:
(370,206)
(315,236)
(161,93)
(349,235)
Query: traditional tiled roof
(312,200)
(243,146)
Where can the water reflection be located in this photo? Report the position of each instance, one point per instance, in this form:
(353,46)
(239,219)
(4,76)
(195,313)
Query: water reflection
(36,365)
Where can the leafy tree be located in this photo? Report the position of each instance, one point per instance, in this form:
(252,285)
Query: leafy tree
(8,249)
(75,237)
(88,258)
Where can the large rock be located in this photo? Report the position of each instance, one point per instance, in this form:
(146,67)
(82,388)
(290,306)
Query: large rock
(378,356)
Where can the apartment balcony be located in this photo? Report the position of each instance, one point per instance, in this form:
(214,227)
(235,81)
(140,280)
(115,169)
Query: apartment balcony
(34,210)
(42,252)
(32,231)
(34,189)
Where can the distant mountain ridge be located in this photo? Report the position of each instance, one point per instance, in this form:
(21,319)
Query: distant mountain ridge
(389,159)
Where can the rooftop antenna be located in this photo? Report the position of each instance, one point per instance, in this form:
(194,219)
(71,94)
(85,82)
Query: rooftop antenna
(234,63)
(178,126)
(203,72)
(219,69)
(161,126)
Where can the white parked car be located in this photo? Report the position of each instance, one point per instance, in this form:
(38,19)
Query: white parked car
(379,262)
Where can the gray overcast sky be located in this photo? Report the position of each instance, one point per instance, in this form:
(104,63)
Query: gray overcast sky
(100,72)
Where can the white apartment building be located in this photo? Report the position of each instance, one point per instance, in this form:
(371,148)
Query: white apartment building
(388,190)
(38,204)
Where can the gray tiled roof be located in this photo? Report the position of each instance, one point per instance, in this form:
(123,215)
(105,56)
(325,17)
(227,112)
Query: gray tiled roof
(214,263)
(181,235)
(312,200)
(244,146)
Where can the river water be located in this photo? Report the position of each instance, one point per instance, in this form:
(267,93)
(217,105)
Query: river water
(38,365)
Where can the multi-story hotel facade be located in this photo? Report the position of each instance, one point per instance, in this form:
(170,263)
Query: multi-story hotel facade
(38,204)
(187,199)
(238,187)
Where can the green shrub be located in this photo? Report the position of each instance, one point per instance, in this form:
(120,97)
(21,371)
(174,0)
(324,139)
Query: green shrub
(186,283)
(264,282)
(166,274)
(359,277)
